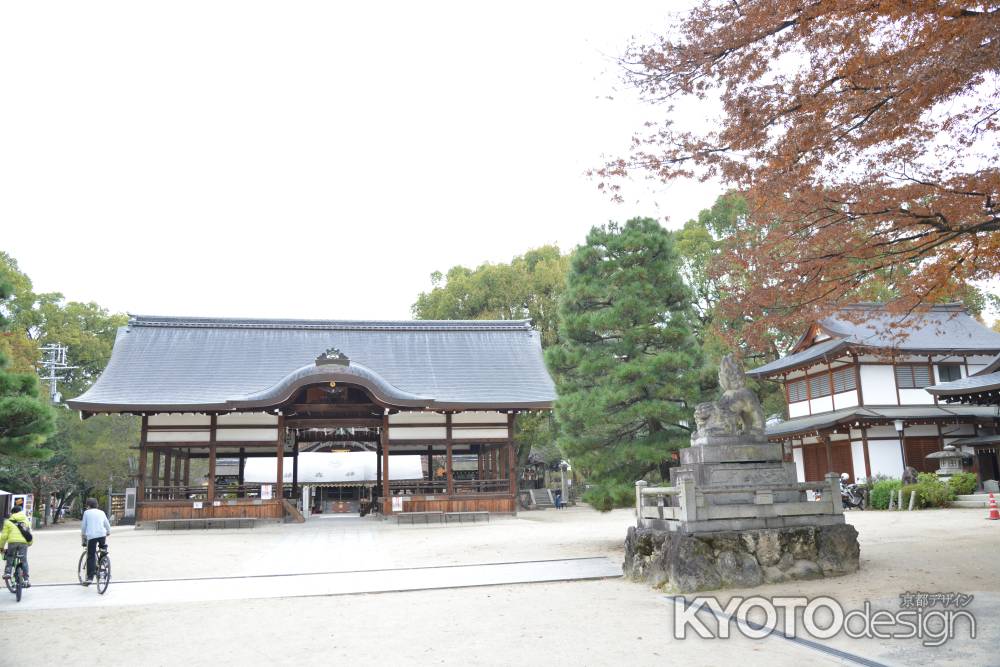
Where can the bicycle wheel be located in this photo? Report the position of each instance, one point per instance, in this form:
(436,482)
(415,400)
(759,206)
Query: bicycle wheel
(18,582)
(81,570)
(103,574)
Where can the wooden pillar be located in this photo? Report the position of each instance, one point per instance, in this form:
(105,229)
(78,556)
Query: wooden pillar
(177,468)
(377,491)
(168,458)
(448,452)
(386,497)
(280,453)
(155,476)
(829,453)
(242,466)
(210,496)
(140,491)
(512,457)
(479,462)
(430,463)
(295,470)
(864,444)
(187,469)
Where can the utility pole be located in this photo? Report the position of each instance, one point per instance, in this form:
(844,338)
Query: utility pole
(53,363)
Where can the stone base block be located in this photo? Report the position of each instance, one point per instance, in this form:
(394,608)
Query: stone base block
(720,475)
(686,563)
(739,452)
(747,523)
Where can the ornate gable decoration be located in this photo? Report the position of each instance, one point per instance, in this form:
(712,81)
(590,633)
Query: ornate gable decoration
(333,356)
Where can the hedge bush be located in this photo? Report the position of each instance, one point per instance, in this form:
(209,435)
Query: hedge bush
(931,491)
(881,490)
(963,483)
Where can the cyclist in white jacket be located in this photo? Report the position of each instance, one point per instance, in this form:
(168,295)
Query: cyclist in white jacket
(94,531)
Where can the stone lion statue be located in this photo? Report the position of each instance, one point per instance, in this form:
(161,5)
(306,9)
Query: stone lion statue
(737,412)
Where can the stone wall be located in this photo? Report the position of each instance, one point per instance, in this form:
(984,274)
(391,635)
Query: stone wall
(705,561)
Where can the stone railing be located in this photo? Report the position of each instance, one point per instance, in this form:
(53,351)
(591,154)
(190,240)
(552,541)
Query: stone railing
(654,507)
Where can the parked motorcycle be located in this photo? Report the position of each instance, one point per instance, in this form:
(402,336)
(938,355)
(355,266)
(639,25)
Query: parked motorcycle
(851,495)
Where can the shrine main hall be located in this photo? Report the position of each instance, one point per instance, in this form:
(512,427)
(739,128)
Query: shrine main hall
(239,389)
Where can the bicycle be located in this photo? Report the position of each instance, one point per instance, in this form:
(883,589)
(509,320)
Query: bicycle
(16,582)
(103,574)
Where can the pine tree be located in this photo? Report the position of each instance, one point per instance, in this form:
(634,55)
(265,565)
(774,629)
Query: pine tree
(26,420)
(627,367)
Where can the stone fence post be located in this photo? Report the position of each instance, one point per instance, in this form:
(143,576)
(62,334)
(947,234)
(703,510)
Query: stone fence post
(639,486)
(688,501)
(833,484)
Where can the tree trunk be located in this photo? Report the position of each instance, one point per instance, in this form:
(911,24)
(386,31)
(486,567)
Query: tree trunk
(62,503)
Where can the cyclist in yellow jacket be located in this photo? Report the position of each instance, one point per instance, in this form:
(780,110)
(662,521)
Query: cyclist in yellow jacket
(16,544)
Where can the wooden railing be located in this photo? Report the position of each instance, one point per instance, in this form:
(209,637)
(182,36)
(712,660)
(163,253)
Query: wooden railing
(419,486)
(686,502)
(440,487)
(481,485)
(153,493)
(222,492)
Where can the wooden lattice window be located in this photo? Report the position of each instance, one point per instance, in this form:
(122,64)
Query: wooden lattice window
(797,391)
(913,377)
(844,380)
(819,385)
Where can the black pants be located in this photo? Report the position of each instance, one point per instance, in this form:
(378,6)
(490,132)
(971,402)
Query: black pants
(14,550)
(92,554)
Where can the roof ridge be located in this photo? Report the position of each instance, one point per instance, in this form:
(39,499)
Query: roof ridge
(171,321)
(950,307)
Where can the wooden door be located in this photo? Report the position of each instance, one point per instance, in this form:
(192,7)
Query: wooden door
(814,462)
(917,450)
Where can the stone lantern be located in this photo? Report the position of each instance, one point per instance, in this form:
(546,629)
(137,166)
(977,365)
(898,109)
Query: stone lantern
(949,461)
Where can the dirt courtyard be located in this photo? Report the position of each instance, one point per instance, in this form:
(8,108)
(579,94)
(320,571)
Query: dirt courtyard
(598,622)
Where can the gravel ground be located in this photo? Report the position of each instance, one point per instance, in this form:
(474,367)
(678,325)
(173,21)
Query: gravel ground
(574,623)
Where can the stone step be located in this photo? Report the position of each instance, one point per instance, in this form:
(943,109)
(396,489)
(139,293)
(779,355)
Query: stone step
(975,496)
(541,498)
(977,504)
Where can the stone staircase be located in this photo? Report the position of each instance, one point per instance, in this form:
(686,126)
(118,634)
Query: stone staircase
(973,500)
(542,498)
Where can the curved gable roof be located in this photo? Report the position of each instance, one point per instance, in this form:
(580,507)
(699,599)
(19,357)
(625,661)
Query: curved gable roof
(172,363)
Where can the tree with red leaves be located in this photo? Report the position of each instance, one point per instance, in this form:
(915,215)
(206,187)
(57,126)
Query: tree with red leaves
(862,133)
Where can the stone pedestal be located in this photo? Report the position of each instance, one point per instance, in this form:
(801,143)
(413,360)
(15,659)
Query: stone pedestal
(735,514)
(686,563)
(736,461)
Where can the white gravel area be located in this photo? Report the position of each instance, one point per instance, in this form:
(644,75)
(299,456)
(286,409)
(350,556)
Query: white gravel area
(607,622)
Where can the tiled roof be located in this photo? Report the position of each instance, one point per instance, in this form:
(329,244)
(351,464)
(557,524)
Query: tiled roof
(219,364)
(986,380)
(879,413)
(944,329)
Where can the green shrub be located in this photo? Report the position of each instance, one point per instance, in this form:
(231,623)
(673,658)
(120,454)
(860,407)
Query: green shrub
(609,495)
(931,491)
(881,490)
(963,483)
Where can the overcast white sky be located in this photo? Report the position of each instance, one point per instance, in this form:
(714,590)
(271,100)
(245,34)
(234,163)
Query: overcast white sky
(307,159)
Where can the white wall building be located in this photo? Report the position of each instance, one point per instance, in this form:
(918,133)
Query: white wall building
(855,385)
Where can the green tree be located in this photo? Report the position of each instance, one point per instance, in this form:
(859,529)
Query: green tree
(528,287)
(87,329)
(79,456)
(26,420)
(700,244)
(628,366)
